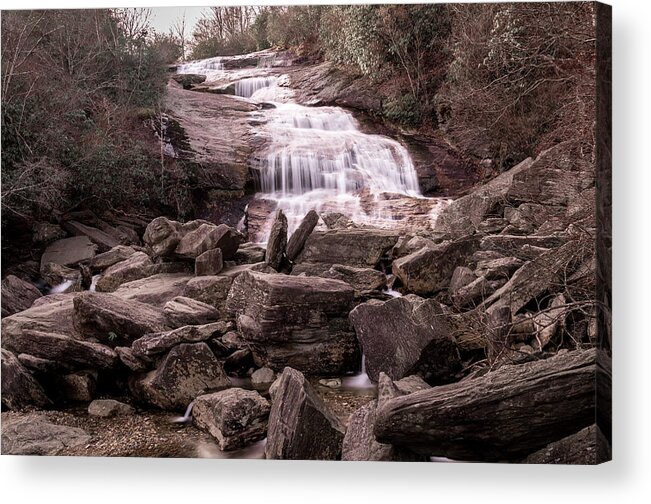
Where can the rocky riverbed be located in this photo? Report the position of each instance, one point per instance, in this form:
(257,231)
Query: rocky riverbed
(467,330)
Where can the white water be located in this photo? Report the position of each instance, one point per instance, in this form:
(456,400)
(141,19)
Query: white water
(211,450)
(186,417)
(62,287)
(248,87)
(201,66)
(359,381)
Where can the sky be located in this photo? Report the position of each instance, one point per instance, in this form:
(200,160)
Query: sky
(162,18)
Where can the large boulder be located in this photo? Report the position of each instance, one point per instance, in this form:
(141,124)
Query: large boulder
(113,320)
(296,321)
(299,237)
(155,290)
(156,343)
(211,289)
(235,417)
(162,236)
(69,251)
(19,388)
(464,215)
(300,425)
(209,263)
(61,349)
(187,371)
(49,313)
(363,280)
(17,295)
(107,259)
(135,267)
(182,311)
(430,269)
(503,415)
(206,237)
(352,247)
(404,336)
(34,434)
(103,240)
(277,242)
(109,408)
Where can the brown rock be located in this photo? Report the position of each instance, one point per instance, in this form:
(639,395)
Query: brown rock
(135,267)
(17,295)
(299,237)
(19,388)
(277,242)
(182,311)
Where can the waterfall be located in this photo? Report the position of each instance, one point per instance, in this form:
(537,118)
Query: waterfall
(201,66)
(319,159)
(248,87)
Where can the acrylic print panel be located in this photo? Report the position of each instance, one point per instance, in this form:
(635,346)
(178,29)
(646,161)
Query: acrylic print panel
(310,232)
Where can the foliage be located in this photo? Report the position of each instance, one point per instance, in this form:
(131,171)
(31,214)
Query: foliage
(73,82)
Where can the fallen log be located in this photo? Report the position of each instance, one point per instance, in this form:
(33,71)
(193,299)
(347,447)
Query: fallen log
(502,416)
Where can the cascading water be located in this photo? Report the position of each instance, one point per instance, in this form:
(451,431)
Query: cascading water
(248,87)
(318,159)
(201,66)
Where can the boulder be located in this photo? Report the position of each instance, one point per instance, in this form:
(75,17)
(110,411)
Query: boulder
(155,290)
(473,294)
(297,321)
(38,365)
(17,295)
(361,248)
(19,388)
(235,417)
(162,236)
(461,277)
(209,263)
(103,240)
(505,414)
(249,253)
(77,387)
(182,311)
(49,313)
(464,215)
(135,267)
(586,447)
(131,361)
(498,269)
(156,343)
(430,269)
(61,349)
(277,241)
(107,259)
(513,245)
(363,280)
(188,370)
(207,237)
(300,425)
(112,320)
(33,434)
(210,289)
(69,251)
(55,275)
(263,377)
(299,237)
(109,408)
(405,336)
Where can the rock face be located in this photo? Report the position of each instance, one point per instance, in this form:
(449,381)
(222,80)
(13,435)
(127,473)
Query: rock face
(277,242)
(297,321)
(19,388)
(182,311)
(109,408)
(98,315)
(35,435)
(188,370)
(588,446)
(361,248)
(17,295)
(209,263)
(404,336)
(69,251)
(61,349)
(300,425)
(299,237)
(430,269)
(136,266)
(235,417)
(507,414)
